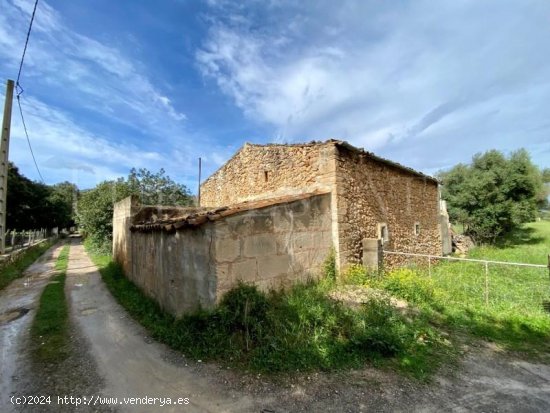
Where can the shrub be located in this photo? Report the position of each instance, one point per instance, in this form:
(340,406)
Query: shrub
(244,310)
(301,328)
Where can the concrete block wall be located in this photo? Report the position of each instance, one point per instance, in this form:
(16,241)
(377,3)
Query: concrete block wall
(123,212)
(273,247)
(176,269)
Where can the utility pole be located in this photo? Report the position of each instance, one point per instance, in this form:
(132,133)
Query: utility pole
(4,155)
(199,191)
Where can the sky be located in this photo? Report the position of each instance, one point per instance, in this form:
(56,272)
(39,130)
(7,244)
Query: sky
(111,85)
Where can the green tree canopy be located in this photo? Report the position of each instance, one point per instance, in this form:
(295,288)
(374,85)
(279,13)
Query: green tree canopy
(544,201)
(157,188)
(95,210)
(95,206)
(33,205)
(494,194)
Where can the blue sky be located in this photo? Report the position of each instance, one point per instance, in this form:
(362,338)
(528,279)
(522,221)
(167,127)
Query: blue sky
(111,85)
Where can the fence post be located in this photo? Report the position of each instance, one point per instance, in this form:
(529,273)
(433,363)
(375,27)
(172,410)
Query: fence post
(372,254)
(429,266)
(486,283)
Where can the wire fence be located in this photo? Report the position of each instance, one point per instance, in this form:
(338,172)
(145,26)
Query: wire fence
(498,285)
(20,239)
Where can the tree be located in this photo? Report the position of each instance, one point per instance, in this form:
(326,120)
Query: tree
(158,188)
(95,206)
(33,205)
(95,210)
(544,201)
(63,198)
(493,195)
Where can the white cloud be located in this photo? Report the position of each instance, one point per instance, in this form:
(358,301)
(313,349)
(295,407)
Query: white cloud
(67,72)
(62,144)
(84,69)
(383,75)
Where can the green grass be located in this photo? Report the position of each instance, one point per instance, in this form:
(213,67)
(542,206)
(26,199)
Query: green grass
(297,330)
(49,330)
(455,294)
(302,329)
(14,270)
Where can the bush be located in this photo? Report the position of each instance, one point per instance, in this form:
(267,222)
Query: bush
(298,329)
(383,329)
(493,195)
(243,310)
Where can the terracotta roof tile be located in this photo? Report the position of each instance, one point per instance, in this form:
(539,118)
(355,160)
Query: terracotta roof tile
(143,221)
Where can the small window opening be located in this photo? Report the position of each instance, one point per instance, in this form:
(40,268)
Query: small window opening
(383,233)
(266,176)
(416,228)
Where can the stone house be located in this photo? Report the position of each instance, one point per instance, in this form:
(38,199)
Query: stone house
(371,197)
(270,216)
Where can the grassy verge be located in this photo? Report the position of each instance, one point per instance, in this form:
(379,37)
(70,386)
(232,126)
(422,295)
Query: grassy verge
(505,307)
(14,270)
(50,325)
(300,329)
(303,329)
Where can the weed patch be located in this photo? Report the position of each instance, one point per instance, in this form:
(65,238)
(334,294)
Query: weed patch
(304,329)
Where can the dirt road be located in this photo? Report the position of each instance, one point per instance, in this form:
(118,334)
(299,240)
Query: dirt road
(130,364)
(133,365)
(17,308)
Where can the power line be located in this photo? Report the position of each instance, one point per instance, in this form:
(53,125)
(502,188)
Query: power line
(20,91)
(27,135)
(25,51)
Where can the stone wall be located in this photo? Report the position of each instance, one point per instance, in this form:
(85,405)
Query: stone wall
(272,247)
(267,171)
(370,193)
(445,226)
(367,191)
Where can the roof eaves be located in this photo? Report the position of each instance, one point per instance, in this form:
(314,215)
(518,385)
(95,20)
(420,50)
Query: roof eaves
(198,219)
(377,158)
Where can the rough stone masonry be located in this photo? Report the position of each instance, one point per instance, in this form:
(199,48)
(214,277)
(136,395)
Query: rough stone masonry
(270,216)
(371,197)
